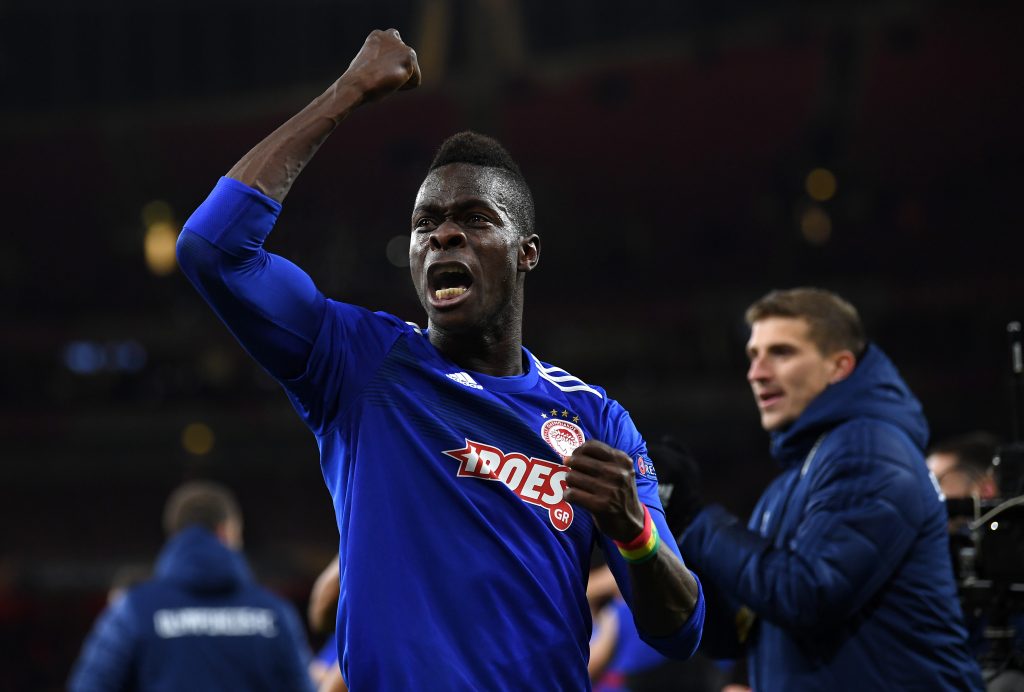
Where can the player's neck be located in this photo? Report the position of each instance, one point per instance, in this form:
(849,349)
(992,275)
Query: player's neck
(494,354)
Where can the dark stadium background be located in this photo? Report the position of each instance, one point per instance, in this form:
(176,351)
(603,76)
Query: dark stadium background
(668,144)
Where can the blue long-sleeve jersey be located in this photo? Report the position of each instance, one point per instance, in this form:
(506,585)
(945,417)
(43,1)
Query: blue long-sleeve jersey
(462,565)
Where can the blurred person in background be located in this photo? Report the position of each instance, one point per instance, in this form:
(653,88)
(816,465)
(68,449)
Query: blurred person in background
(616,649)
(841,580)
(470,480)
(962,465)
(125,578)
(322,613)
(202,622)
(619,659)
(963,468)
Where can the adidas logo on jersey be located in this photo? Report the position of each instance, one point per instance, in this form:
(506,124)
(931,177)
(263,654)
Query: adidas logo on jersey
(534,481)
(464,378)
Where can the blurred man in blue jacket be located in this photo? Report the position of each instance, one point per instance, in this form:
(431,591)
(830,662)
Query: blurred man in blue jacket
(202,623)
(842,578)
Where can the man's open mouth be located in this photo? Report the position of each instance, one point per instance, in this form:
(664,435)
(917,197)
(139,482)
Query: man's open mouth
(450,282)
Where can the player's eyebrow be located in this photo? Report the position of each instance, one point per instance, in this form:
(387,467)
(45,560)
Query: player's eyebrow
(463,205)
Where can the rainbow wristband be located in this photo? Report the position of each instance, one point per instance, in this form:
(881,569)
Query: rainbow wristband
(643,547)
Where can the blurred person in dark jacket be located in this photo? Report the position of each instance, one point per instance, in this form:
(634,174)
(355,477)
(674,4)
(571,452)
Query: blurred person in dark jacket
(841,580)
(202,622)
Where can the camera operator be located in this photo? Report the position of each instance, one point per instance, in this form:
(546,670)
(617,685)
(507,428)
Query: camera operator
(963,468)
(963,465)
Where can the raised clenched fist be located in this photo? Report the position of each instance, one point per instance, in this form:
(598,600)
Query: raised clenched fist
(382,66)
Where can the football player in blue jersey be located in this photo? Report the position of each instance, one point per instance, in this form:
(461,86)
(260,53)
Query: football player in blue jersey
(470,479)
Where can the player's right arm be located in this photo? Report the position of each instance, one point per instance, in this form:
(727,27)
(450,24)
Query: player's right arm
(270,304)
(382,66)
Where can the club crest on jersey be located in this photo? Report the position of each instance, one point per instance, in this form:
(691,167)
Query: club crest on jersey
(563,436)
(645,468)
(535,481)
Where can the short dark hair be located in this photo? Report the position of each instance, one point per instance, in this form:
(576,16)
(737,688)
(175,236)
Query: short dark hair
(200,503)
(973,450)
(833,323)
(480,150)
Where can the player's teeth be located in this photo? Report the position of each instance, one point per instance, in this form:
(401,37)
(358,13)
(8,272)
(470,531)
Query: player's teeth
(443,293)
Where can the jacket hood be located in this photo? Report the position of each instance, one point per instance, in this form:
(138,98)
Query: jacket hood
(196,559)
(873,390)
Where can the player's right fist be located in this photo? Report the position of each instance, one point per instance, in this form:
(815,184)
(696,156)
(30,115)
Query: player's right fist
(382,66)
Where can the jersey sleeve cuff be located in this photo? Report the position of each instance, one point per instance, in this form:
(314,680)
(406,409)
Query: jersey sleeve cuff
(235,217)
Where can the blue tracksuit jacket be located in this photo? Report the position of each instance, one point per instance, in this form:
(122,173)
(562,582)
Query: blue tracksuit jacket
(201,624)
(845,562)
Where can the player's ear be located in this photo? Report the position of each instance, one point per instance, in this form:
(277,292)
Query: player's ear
(843,363)
(529,252)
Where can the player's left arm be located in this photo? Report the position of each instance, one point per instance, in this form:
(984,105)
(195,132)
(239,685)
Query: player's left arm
(663,593)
